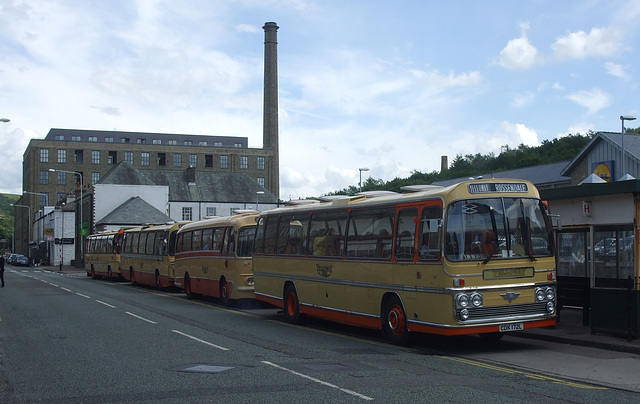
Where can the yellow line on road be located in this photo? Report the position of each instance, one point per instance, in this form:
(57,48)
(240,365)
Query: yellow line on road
(526,374)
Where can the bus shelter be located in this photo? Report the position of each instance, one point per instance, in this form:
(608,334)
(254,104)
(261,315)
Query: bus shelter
(597,250)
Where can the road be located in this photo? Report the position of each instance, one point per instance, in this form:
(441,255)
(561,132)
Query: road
(70,339)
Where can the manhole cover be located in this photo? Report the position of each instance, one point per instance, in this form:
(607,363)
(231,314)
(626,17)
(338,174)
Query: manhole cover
(206,369)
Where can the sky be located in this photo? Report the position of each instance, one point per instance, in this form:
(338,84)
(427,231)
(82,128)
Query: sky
(387,85)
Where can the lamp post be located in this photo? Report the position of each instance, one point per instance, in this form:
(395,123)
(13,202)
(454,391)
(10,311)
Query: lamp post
(622,119)
(46,202)
(361,170)
(258,193)
(29,219)
(53,170)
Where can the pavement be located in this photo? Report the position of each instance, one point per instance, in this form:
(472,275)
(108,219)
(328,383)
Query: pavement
(568,330)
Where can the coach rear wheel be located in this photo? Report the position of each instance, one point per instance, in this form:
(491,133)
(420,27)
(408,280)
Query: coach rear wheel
(291,305)
(394,321)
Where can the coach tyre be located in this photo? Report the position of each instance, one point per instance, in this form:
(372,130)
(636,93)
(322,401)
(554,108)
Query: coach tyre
(394,321)
(291,305)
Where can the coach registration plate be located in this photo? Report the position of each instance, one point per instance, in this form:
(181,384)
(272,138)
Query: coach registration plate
(511,327)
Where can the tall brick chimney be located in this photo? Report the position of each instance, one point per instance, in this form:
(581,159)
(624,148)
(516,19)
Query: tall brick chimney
(444,164)
(270,107)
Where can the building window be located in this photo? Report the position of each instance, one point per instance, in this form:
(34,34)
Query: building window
(113,157)
(78,157)
(187,214)
(260,163)
(95,156)
(244,162)
(157,141)
(93,138)
(162,159)
(44,198)
(188,143)
(177,160)
(261,181)
(62,155)
(44,177)
(95,177)
(61,197)
(125,140)
(208,160)
(172,142)
(59,137)
(217,144)
(237,145)
(76,138)
(44,155)
(224,161)
(141,140)
(202,143)
(108,140)
(128,157)
(211,210)
(62,178)
(144,158)
(193,160)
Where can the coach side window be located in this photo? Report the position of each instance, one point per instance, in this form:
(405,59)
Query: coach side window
(406,234)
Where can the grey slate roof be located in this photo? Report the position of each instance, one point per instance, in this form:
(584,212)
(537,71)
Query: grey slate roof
(209,186)
(135,211)
(631,147)
(541,175)
(124,173)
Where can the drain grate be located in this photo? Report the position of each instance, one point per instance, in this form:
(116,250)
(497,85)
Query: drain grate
(206,369)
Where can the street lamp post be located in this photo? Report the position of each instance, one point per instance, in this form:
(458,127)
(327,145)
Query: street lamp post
(622,119)
(29,220)
(81,217)
(361,170)
(258,193)
(46,202)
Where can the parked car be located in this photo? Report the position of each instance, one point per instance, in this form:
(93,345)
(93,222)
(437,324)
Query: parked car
(11,258)
(22,260)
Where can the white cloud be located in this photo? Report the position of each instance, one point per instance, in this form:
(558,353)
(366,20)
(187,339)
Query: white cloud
(523,100)
(582,128)
(519,53)
(580,45)
(617,70)
(594,100)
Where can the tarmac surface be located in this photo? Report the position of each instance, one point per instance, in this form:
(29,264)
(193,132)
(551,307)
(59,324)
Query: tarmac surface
(568,330)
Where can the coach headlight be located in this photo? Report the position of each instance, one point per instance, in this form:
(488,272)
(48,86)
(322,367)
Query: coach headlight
(476,299)
(540,294)
(464,314)
(250,281)
(462,300)
(551,294)
(551,308)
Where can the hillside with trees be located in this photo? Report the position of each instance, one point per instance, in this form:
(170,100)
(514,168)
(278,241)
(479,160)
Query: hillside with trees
(550,151)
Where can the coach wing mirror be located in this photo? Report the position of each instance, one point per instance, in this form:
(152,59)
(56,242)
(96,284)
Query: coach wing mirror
(559,223)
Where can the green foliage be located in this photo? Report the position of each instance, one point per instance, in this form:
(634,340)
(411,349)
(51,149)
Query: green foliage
(550,151)
(6,215)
